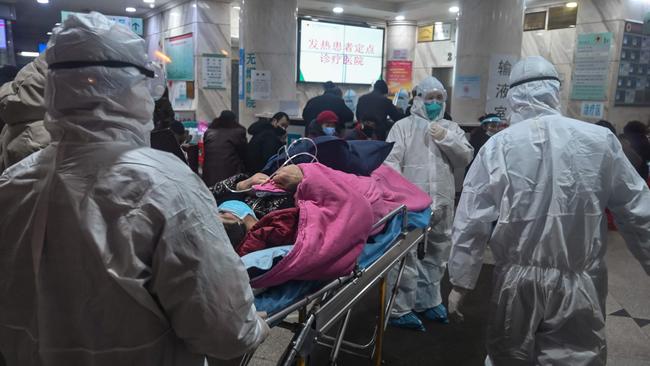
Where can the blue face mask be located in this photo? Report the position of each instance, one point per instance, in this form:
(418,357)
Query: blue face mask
(329,131)
(237,208)
(433,110)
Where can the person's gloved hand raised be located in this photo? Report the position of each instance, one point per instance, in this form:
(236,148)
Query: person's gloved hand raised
(436,131)
(455,301)
(288,177)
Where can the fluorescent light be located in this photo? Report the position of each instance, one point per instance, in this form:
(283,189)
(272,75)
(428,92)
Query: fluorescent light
(43,1)
(373,26)
(314,20)
(337,10)
(57,24)
(130,9)
(437,23)
(236,7)
(572,4)
(149,1)
(399,17)
(454,9)
(28,54)
(307,17)
(49,33)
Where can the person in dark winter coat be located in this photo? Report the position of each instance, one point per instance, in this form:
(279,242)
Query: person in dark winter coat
(163,113)
(635,159)
(325,124)
(364,129)
(225,148)
(268,138)
(377,104)
(636,133)
(332,99)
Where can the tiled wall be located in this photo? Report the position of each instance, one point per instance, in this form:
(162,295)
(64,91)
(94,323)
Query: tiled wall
(594,16)
(432,54)
(209,21)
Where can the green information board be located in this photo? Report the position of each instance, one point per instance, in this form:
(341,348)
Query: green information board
(591,66)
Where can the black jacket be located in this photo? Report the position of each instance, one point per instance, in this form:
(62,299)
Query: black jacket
(266,142)
(225,149)
(377,105)
(326,102)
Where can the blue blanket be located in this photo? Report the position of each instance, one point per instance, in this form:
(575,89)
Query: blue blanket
(279,297)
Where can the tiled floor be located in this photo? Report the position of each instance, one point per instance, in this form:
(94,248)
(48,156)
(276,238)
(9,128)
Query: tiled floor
(628,322)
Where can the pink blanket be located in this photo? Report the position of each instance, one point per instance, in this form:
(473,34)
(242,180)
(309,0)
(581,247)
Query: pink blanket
(337,211)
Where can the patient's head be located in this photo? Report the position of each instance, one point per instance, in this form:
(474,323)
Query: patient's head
(238,218)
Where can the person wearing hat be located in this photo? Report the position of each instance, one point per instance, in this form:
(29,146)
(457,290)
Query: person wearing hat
(325,124)
(377,104)
(330,100)
(112,252)
(537,194)
(490,125)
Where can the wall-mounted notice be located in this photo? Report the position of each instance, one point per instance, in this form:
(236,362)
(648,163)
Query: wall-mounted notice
(400,54)
(633,86)
(135,24)
(180,50)
(399,75)
(468,87)
(261,84)
(425,34)
(213,72)
(499,84)
(591,66)
(594,110)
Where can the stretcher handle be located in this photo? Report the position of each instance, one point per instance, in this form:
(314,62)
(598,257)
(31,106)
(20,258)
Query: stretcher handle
(401,209)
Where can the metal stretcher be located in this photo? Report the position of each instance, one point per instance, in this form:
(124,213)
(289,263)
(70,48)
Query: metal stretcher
(319,312)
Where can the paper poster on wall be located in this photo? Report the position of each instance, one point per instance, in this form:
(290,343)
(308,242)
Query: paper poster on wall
(633,85)
(178,96)
(591,66)
(261,84)
(399,75)
(135,24)
(425,34)
(499,84)
(400,54)
(213,71)
(594,110)
(180,50)
(468,87)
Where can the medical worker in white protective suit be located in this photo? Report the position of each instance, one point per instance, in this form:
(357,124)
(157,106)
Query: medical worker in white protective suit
(427,150)
(537,193)
(111,253)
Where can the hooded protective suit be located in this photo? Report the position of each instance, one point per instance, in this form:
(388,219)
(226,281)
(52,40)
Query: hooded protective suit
(537,193)
(429,164)
(22,108)
(111,253)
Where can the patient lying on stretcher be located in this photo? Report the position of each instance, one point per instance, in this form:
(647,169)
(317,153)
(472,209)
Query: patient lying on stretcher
(332,219)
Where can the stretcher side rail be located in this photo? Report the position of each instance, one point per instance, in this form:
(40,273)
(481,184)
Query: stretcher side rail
(331,304)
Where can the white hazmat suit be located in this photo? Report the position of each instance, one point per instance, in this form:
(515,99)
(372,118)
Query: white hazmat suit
(427,153)
(111,253)
(537,192)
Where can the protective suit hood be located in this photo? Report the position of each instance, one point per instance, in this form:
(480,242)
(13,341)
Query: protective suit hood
(90,102)
(425,86)
(534,89)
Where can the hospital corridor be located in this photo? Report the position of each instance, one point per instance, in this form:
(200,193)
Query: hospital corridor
(324,182)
